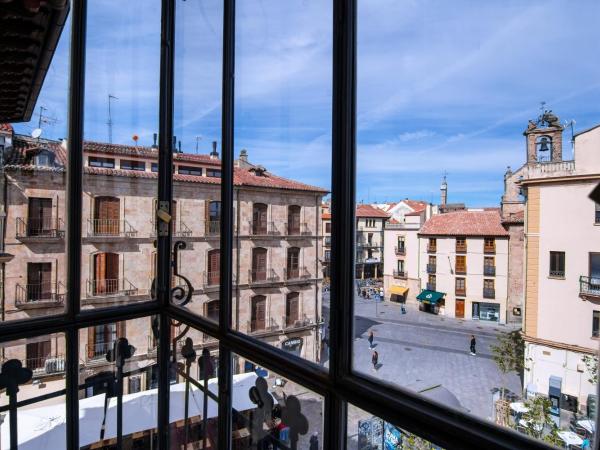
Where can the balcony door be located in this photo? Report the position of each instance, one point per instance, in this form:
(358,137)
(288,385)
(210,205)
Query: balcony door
(106,273)
(294,219)
(595,266)
(293,262)
(259,312)
(259,218)
(292,308)
(39,221)
(259,264)
(107,216)
(36,354)
(39,281)
(214,261)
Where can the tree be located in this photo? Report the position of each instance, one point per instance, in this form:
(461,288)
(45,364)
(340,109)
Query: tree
(537,421)
(591,362)
(509,354)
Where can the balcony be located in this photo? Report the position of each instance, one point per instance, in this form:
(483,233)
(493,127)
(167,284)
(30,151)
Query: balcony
(431,268)
(109,228)
(211,278)
(181,230)
(297,274)
(460,292)
(44,229)
(367,244)
(489,293)
(116,287)
(262,326)
(461,248)
(327,241)
(489,271)
(44,365)
(39,295)
(399,274)
(430,286)
(400,250)
(263,228)
(289,322)
(431,248)
(262,276)
(98,350)
(589,288)
(153,345)
(298,230)
(212,227)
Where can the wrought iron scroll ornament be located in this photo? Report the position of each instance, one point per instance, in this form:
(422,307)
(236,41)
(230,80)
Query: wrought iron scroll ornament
(181,295)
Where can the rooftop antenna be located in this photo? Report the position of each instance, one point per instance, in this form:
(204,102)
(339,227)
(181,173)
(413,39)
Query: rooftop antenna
(109,123)
(571,124)
(42,119)
(198,139)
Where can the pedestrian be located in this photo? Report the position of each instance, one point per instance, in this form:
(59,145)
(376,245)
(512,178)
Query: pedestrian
(370,338)
(473,342)
(374,360)
(314,441)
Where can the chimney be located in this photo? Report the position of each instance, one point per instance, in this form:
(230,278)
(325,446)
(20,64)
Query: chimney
(155,136)
(244,155)
(179,146)
(214,154)
(174,144)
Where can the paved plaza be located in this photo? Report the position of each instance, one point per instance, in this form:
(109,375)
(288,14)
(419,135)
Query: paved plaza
(420,350)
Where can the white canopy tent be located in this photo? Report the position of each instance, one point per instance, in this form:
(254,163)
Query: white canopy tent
(44,427)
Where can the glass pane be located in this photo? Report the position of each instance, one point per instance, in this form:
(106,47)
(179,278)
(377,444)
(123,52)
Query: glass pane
(458,298)
(118,359)
(197,153)
(40,364)
(120,149)
(272,412)
(282,172)
(32,192)
(196,373)
(368,432)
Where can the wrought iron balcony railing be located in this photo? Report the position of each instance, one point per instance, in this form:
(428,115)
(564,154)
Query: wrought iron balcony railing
(43,365)
(110,287)
(298,229)
(490,271)
(299,273)
(489,293)
(257,326)
(557,273)
(110,228)
(400,250)
(399,274)
(39,293)
(431,268)
(212,278)
(98,350)
(213,227)
(43,228)
(256,276)
(294,322)
(589,286)
(263,228)
(181,229)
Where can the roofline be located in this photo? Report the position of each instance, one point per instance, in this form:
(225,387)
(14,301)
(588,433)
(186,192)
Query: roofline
(566,178)
(586,130)
(465,234)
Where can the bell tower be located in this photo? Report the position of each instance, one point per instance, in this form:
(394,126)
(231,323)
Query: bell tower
(544,138)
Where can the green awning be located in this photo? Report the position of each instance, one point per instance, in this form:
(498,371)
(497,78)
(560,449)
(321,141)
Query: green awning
(431,297)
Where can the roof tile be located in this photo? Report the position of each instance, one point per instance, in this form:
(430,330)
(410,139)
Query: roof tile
(465,223)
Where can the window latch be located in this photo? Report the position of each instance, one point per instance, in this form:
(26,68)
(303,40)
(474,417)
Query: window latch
(164,218)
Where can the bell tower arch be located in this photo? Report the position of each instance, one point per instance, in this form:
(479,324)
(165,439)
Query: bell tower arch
(544,139)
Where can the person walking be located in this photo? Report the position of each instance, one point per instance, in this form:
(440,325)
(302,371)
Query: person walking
(473,342)
(370,338)
(374,360)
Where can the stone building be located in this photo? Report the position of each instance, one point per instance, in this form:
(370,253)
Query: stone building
(464,265)
(561,257)
(326,233)
(277,274)
(370,224)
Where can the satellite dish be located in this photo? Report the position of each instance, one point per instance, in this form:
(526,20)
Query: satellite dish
(36,133)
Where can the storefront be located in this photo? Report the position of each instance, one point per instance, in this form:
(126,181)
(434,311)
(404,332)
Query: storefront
(431,301)
(486,311)
(293,345)
(398,294)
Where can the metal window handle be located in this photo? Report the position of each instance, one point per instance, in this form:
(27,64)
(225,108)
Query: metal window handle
(163,215)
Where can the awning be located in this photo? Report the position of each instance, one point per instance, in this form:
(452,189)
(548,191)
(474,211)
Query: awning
(398,290)
(431,297)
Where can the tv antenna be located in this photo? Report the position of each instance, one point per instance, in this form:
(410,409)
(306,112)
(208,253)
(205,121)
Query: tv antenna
(42,119)
(198,139)
(571,124)
(109,123)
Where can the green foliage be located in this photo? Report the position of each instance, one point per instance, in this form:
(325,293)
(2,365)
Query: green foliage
(538,421)
(591,363)
(509,352)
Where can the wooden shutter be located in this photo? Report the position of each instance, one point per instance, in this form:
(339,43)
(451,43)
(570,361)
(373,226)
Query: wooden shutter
(40,216)
(294,220)
(259,218)
(91,340)
(259,264)
(121,330)
(292,307)
(107,215)
(292,262)
(214,262)
(99,286)
(112,272)
(258,312)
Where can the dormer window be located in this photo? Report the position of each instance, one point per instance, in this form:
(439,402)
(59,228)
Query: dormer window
(43,159)
(107,163)
(259,171)
(189,170)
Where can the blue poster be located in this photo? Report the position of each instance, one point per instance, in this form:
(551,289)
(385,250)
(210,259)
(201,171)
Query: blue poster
(392,437)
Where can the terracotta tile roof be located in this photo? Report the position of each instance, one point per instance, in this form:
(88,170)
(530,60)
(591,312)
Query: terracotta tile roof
(518,217)
(416,205)
(326,216)
(393,221)
(370,211)
(6,127)
(24,147)
(465,223)
(414,213)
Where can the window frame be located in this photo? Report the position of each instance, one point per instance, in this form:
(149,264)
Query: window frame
(557,259)
(339,385)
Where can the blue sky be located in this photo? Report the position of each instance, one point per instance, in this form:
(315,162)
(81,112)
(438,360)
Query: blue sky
(442,86)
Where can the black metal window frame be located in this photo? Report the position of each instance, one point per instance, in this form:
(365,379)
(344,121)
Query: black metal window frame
(339,385)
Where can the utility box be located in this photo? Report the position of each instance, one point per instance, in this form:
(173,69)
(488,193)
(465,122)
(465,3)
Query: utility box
(554,394)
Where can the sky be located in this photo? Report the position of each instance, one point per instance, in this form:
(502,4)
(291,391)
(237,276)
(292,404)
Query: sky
(443,87)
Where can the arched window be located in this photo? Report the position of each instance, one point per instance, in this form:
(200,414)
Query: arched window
(292,308)
(293,263)
(293,224)
(259,313)
(259,218)
(259,264)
